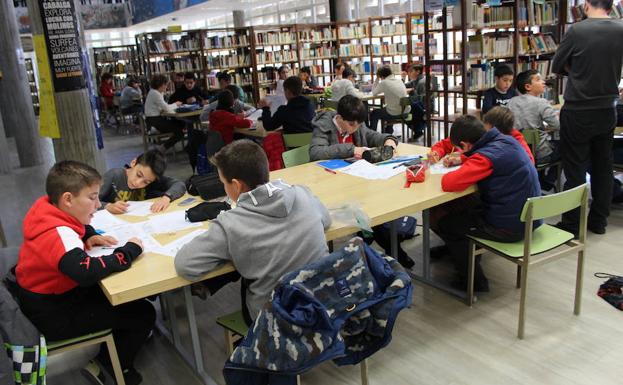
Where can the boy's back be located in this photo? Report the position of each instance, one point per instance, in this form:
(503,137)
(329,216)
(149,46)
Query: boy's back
(531,112)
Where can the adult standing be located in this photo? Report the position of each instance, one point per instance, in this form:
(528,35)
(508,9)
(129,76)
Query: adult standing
(590,55)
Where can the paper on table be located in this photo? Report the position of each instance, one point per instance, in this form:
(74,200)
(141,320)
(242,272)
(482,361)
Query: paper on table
(276,101)
(255,115)
(139,208)
(439,168)
(123,233)
(168,223)
(103,220)
(173,247)
(364,169)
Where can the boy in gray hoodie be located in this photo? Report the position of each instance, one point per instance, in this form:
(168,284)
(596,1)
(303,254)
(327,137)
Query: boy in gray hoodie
(273,229)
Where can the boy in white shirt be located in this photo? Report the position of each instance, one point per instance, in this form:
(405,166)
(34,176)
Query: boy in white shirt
(393,88)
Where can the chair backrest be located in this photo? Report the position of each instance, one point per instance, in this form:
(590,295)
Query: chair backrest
(532,137)
(296,156)
(405,101)
(555,204)
(331,104)
(297,140)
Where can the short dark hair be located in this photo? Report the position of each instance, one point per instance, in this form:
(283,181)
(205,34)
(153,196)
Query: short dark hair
(339,65)
(131,81)
(501,118)
(179,74)
(225,100)
(243,160)
(69,176)
(190,75)
(606,5)
(283,69)
(106,76)
(223,76)
(294,84)
(306,70)
(348,73)
(157,81)
(155,160)
(352,109)
(466,128)
(524,78)
(384,71)
(503,70)
(234,90)
(417,67)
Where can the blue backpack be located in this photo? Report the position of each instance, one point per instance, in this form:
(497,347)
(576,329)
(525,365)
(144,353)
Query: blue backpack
(405,227)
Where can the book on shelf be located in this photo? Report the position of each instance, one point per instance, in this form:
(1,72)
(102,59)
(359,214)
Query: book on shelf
(276,56)
(536,44)
(176,65)
(418,48)
(387,49)
(274,38)
(242,78)
(490,46)
(543,66)
(317,34)
(576,12)
(389,29)
(228,61)
(318,70)
(111,55)
(483,16)
(353,32)
(323,51)
(538,12)
(361,68)
(417,25)
(211,42)
(354,50)
(116,68)
(480,77)
(185,43)
(396,67)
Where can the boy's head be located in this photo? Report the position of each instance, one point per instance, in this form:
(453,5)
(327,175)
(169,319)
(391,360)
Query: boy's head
(383,72)
(224,79)
(189,80)
(305,73)
(604,5)
(178,79)
(106,77)
(158,82)
(292,87)
(339,68)
(284,72)
(132,82)
(503,77)
(466,131)
(349,74)
(234,91)
(74,188)
(530,82)
(501,118)
(225,100)
(146,169)
(242,166)
(415,70)
(351,112)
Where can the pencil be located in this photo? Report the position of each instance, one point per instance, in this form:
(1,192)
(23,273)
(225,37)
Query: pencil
(329,170)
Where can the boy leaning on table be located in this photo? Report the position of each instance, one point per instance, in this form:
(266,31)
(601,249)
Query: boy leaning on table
(143,179)
(58,281)
(274,228)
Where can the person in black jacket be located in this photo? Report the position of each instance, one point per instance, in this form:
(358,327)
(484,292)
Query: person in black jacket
(296,116)
(188,93)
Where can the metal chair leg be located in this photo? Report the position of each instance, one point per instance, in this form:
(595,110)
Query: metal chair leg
(579,280)
(363,366)
(470,273)
(522,302)
(518,283)
(114,360)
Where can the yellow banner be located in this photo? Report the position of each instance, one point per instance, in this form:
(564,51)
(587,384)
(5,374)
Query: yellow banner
(48,121)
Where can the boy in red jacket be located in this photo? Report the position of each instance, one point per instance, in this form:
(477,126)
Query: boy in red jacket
(224,120)
(505,176)
(57,279)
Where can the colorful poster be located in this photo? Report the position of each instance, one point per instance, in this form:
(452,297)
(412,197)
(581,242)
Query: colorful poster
(48,122)
(63,44)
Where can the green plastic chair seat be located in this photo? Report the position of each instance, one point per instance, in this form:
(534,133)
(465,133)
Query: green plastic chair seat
(544,238)
(296,156)
(71,341)
(297,140)
(233,322)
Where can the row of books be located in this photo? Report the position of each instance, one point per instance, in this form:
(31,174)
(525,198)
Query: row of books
(480,77)
(276,57)
(389,29)
(228,61)
(361,68)
(116,68)
(531,12)
(317,35)
(176,65)
(266,38)
(318,52)
(210,42)
(417,26)
(318,69)
(389,49)
(185,43)
(396,68)
(241,79)
(353,32)
(347,50)
(501,45)
(111,55)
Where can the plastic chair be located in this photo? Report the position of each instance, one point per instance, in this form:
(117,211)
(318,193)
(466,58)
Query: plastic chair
(545,238)
(533,138)
(330,104)
(104,336)
(297,140)
(296,156)
(402,118)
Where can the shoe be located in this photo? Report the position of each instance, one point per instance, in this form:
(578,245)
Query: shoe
(568,228)
(438,252)
(406,261)
(597,229)
(93,373)
(132,377)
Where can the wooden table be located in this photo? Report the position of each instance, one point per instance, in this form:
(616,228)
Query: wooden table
(258,132)
(183,115)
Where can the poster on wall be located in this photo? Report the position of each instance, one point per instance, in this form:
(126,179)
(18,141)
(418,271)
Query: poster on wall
(63,44)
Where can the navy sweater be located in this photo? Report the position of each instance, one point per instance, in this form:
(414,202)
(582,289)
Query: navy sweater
(295,117)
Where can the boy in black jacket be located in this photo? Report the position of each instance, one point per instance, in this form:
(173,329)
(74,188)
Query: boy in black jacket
(296,116)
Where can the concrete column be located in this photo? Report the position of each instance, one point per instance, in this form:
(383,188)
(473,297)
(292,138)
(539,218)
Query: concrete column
(340,9)
(238,19)
(15,99)
(5,159)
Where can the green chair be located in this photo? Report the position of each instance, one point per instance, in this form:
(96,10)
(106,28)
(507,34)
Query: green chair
(104,336)
(330,104)
(296,156)
(545,244)
(403,118)
(297,140)
(235,328)
(533,138)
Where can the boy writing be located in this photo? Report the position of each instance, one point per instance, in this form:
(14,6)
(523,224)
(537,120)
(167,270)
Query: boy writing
(224,120)
(296,115)
(502,92)
(275,227)
(57,279)
(143,179)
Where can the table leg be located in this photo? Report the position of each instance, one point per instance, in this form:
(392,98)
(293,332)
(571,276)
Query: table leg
(393,235)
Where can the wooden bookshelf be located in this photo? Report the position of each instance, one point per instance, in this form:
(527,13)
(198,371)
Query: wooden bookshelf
(416,34)
(121,61)
(353,44)
(317,47)
(389,43)
(273,46)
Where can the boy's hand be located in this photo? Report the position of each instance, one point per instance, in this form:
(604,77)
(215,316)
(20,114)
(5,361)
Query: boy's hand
(433,157)
(100,240)
(118,207)
(358,153)
(452,160)
(178,103)
(136,241)
(161,204)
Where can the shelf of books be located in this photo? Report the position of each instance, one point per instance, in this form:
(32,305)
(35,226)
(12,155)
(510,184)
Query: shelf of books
(273,46)
(416,33)
(121,61)
(353,43)
(389,43)
(32,82)
(317,47)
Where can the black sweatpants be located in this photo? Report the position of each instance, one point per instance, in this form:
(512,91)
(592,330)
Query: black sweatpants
(86,310)
(166,125)
(586,138)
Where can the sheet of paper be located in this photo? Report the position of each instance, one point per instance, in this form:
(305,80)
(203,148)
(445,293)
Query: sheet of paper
(139,208)
(439,168)
(123,233)
(168,223)
(255,115)
(276,101)
(364,169)
(104,220)
(172,248)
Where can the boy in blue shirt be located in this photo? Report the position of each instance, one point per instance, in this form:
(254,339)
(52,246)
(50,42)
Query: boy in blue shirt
(502,92)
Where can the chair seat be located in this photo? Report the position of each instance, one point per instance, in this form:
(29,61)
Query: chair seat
(52,345)
(544,238)
(234,322)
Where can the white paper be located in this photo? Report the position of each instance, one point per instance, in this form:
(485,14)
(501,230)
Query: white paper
(172,248)
(255,115)
(103,220)
(276,101)
(168,223)
(123,233)
(439,168)
(139,208)
(366,170)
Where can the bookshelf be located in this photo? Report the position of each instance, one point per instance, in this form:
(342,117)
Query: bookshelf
(121,61)
(317,47)
(353,42)
(390,43)
(416,34)
(32,82)
(273,46)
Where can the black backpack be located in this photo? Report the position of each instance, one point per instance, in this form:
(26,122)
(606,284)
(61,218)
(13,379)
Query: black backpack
(207,186)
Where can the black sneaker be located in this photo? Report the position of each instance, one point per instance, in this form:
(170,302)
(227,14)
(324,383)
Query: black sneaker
(406,262)
(596,229)
(93,373)
(438,252)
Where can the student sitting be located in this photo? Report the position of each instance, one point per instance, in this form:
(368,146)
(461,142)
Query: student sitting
(505,177)
(501,93)
(275,227)
(283,73)
(225,79)
(155,105)
(58,282)
(189,93)
(393,89)
(224,120)
(296,116)
(417,84)
(239,107)
(340,135)
(107,89)
(306,77)
(131,95)
(503,119)
(143,179)
(345,86)
(338,70)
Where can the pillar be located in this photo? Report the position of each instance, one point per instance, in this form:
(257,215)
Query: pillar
(5,159)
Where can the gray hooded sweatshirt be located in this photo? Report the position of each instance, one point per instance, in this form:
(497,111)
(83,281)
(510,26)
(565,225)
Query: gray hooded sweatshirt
(274,229)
